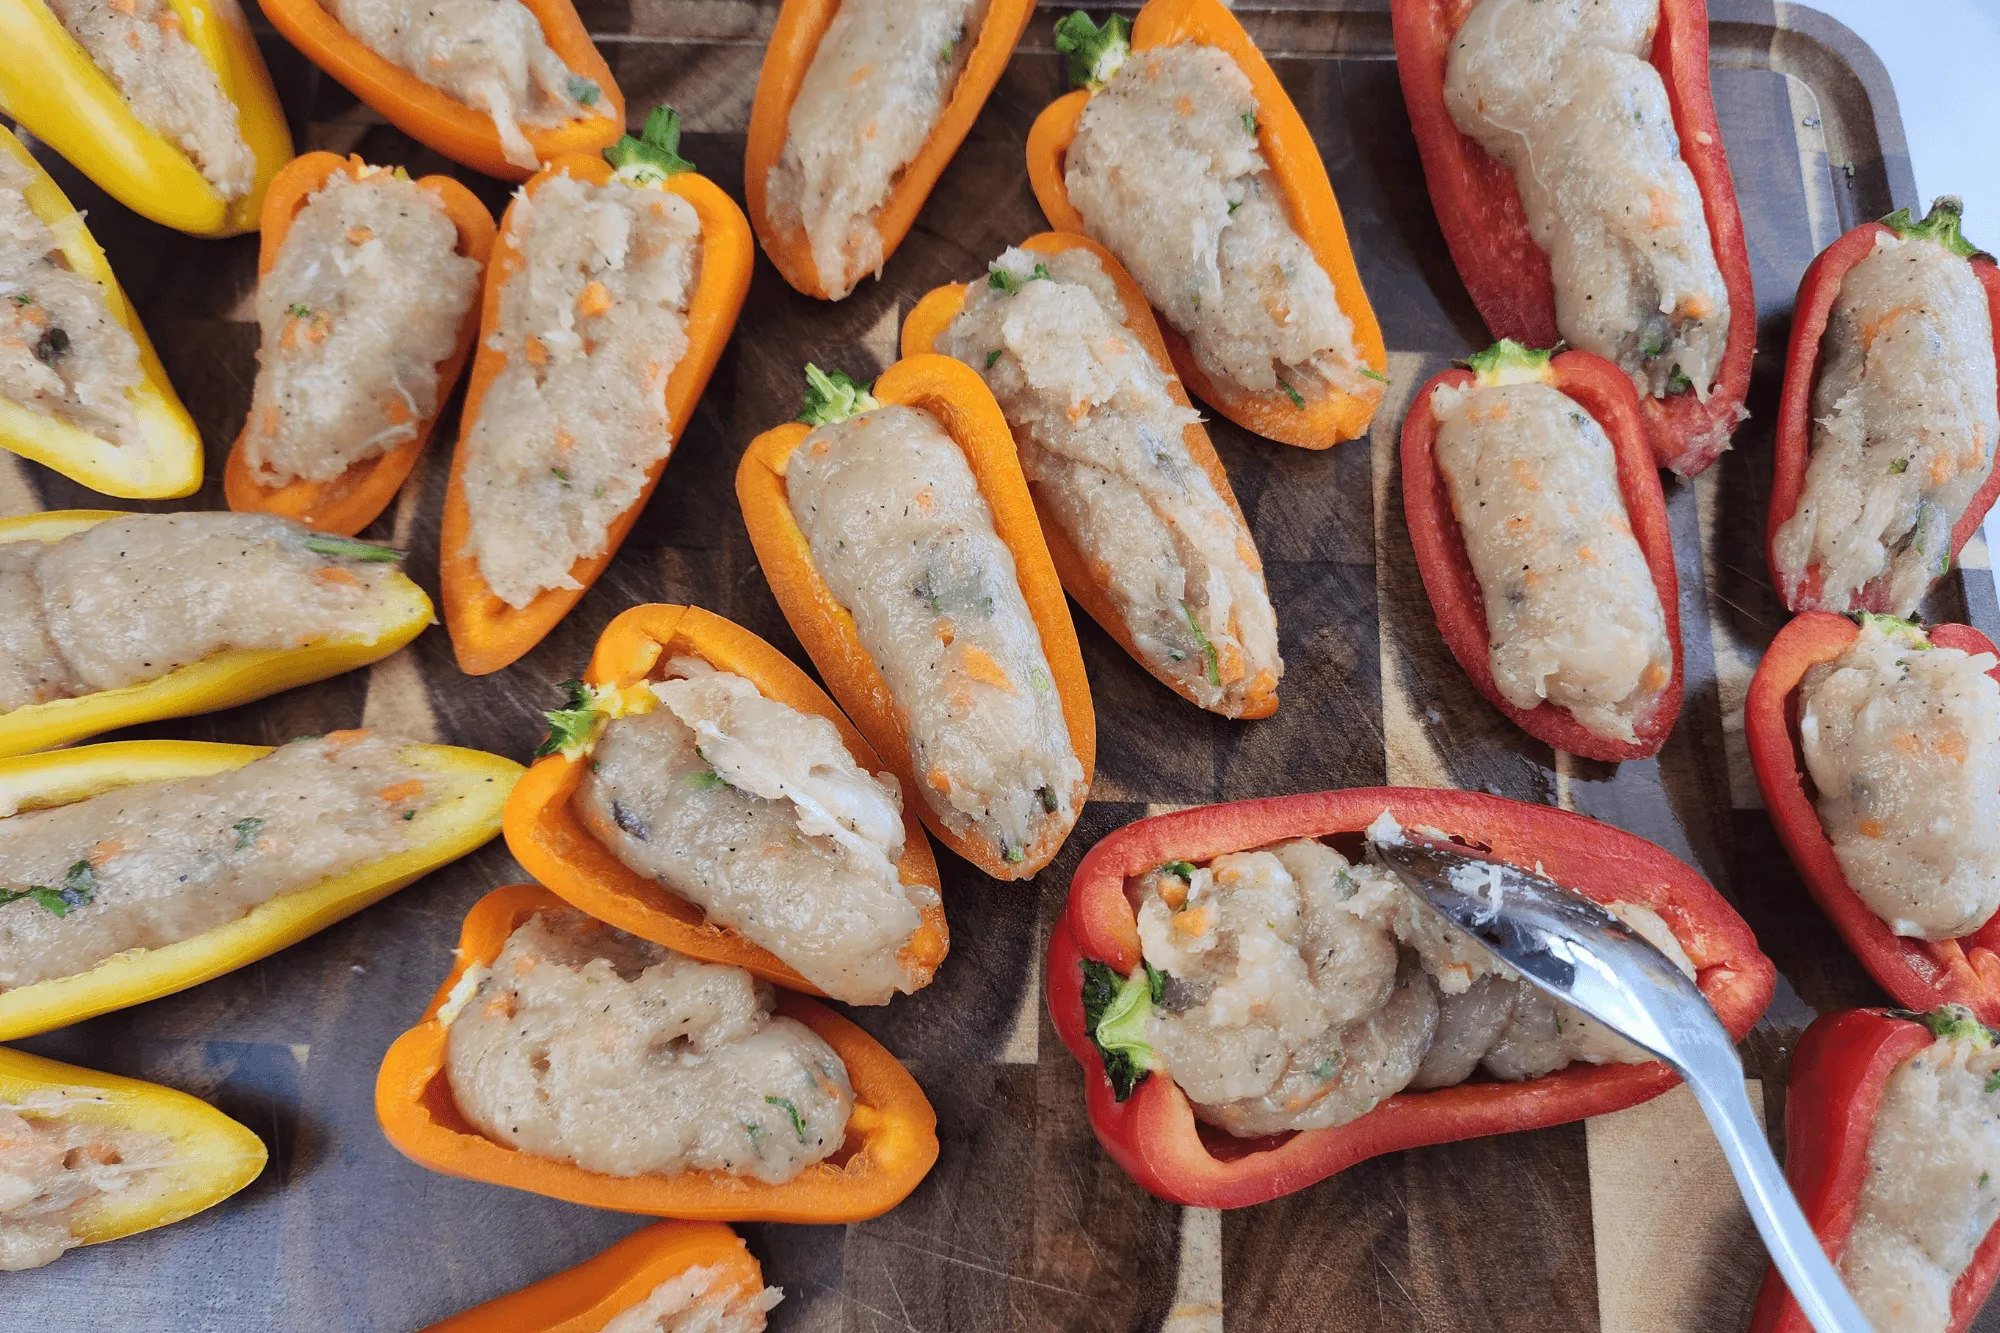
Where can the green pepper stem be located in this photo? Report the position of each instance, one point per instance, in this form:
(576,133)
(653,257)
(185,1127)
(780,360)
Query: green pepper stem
(1509,362)
(1942,224)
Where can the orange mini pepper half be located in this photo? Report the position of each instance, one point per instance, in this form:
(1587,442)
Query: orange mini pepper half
(954,395)
(351,501)
(552,844)
(794,41)
(53,88)
(437,120)
(585,1298)
(486,633)
(891,1136)
(1300,176)
(926,324)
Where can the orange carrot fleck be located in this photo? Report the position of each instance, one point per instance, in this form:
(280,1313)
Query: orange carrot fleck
(100,852)
(360,235)
(1871,828)
(336,574)
(537,354)
(336,741)
(397,792)
(946,631)
(1194,922)
(939,780)
(979,664)
(594,299)
(1653,677)
(1173,891)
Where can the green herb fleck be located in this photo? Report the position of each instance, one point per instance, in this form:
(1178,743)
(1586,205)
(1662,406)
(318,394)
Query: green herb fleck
(583,90)
(1182,869)
(79,887)
(1678,381)
(1011,854)
(246,830)
(1326,1068)
(798,1121)
(299,310)
(408,815)
(1115,1012)
(1094,52)
(559,475)
(655,154)
(22,298)
(1374,374)
(1900,465)
(1235,204)
(1291,393)
(1249,122)
(1992,1085)
(1048,799)
(991,357)
(320,543)
(706,779)
(1039,680)
(1214,671)
(834,396)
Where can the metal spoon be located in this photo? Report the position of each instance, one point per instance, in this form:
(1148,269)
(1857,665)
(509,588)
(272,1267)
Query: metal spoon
(1578,952)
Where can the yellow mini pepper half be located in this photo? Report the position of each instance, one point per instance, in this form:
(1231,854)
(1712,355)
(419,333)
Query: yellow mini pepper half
(470,790)
(234,676)
(50,85)
(169,464)
(208,1156)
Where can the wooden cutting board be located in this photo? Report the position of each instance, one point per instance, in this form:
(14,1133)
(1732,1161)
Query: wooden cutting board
(1625,1225)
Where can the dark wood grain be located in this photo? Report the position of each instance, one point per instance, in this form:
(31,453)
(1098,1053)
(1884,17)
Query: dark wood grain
(1025,1224)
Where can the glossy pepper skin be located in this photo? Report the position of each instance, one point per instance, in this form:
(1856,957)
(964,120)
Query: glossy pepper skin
(926,325)
(1818,290)
(475,787)
(795,39)
(211,1156)
(1920,974)
(954,395)
(1153,1134)
(350,502)
(1605,392)
(1838,1074)
(1296,171)
(170,463)
(436,120)
(224,680)
(52,88)
(585,1298)
(487,633)
(551,842)
(1507,275)
(891,1138)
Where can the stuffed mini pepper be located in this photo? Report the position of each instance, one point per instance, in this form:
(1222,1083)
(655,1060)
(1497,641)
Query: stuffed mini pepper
(139,868)
(703,793)
(895,528)
(670,1277)
(1877,749)
(615,285)
(81,390)
(567,1057)
(1890,414)
(120,618)
(164,104)
(1138,512)
(1541,532)
(860,106)
(1232,966)
(1578,173)
(88,1157)
(501,86)
(1182,155)
(366,298)
(1893,1148)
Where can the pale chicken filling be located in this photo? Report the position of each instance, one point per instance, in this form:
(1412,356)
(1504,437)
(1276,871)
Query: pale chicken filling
(1902,740)
(63,352)
(905,541)
(1573,616)
(882,75)
(58,1163)
(692,1301)
(365,300)
(592,324)
(142,48)
(756,813)
(132,598)
(1562,93)
(588,1045)
(149,865)
(1301,991)
(490,55)
(1905,415)
(1932,1191)
(1101,442)
(1166,170)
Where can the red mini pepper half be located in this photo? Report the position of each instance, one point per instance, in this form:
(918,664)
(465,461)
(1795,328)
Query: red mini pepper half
(1153,1133)
(1818,290)
(1920,974)
(1606,392)
(1838,1073)
(1507,275)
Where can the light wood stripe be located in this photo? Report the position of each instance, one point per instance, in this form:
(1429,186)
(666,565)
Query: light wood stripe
(1736,656)
(1197,1304)
(1676,1252)
(1410,758)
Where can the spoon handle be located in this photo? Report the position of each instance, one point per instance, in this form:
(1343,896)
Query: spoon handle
(1815,1285)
